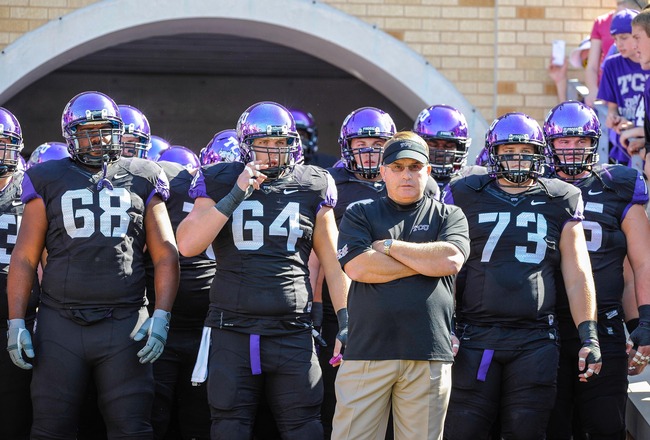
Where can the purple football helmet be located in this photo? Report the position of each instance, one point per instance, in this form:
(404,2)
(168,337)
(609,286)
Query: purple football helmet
(97,146)
(224,147)
(515,128)
(158,145)
(572,119)
(137,133)
(48,151)
(446,124)
(181,155)
(365,122)
(308,131)
(269,119)
(11,142)
(482,157)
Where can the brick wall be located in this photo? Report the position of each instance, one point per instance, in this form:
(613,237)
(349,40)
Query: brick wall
(494,51)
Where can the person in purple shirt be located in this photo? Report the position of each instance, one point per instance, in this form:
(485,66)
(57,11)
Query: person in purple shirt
(622,85)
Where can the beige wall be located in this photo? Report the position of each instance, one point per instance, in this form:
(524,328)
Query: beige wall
(494,51)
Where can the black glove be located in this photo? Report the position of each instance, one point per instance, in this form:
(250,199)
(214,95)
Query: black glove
(588,332)
(317,314)
(342,316)
(641,335)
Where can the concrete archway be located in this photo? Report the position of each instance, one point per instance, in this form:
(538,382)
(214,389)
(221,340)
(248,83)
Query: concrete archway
(371,55)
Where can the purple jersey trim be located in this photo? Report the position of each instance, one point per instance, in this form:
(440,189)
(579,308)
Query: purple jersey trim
(162,188)
(640,196)
(447,196)
(331,196)
(29,193)
(198,186)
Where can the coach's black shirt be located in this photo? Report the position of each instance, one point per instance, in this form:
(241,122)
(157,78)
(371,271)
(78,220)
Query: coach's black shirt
(408,318)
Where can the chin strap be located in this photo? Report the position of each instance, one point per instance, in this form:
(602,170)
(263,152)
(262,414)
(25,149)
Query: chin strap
(104,182)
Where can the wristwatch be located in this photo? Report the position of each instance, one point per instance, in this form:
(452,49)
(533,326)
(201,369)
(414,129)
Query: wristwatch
(387,244)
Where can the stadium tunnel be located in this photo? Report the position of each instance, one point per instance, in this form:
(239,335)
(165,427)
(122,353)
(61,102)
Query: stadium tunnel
(193,67)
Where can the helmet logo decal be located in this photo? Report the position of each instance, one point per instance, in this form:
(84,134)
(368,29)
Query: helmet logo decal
(573,131)
(277,130)
(368,131)
(513,138)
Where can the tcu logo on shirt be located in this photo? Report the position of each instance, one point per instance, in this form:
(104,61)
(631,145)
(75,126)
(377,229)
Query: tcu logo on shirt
(80,222)
(420,228)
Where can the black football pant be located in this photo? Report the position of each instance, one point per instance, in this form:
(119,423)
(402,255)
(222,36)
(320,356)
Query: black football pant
(177,402)
(598,406)
(519,385)
(290,379)
(68,354)
(15,401)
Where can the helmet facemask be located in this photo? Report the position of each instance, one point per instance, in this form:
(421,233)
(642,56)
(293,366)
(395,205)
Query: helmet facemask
(446,162)
(95,147)
(517,168)
(280,159)
(365,160)
(9,156)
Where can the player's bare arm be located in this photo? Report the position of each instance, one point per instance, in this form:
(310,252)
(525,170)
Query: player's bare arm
(26,256)
(164,254)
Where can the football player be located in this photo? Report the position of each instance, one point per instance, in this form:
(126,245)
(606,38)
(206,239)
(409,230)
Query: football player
(523,229)
(308,131)
(181,410)
(16,407)
(224,147)
(158,145)
(48,151)
(271,212)
(362,136)
(615,225)
(94,214)
(444,128)
(136,139)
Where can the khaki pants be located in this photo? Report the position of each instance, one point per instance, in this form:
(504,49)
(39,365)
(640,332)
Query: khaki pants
(419,391)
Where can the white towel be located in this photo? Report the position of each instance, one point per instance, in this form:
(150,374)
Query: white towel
(200,372)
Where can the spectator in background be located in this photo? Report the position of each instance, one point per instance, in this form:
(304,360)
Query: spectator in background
(601,41)
(622,85)
(641,36)
(577,59)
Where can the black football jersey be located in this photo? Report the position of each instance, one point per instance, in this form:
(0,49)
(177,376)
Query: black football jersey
(197,272)
(11,212)
(510,274)
(608,193)
(263,250)
(96,237)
